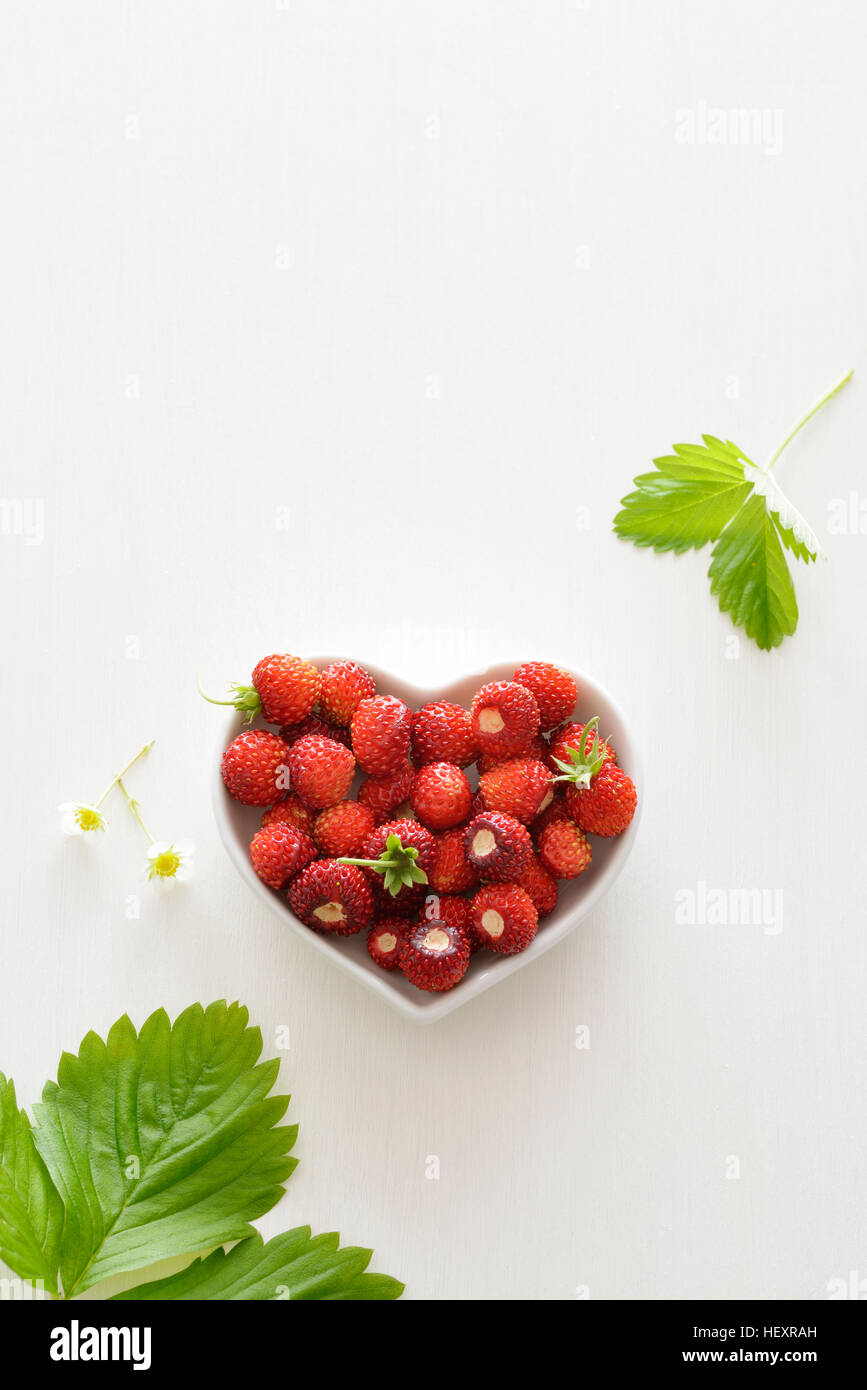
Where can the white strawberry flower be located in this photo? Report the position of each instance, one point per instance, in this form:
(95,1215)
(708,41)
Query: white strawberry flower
(169,862)
(80,818)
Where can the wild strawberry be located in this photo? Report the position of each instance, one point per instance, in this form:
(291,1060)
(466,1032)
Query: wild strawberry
(385,939)
(498,845)
(320,769)
(381,728)
(451,870)
(399,853)
(555,691)
(504,918)
(542,888)
(284,690)
(435,956)
(292,811)
(384,794)
(332,897)
(255,768)
(443,733)
(537,748)
(566,741)
(344,685)
(505,718)
(411,833)
(441,795)
(279,852)
(564,849)
(343,829)
(520,787)
(314,725)
(443,907)
(607,806)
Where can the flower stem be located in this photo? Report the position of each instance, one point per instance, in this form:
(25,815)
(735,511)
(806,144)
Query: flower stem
(140,754)
(801,423)
(136,810)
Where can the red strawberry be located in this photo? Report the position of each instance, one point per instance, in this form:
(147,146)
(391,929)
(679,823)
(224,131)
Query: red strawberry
(537,748)
(538,883)
(381,729)
(607,806)
(504,918)
(342,829)
(385,940)
(255,768)
(520,787)
(314,725)
(441,795)
(287,686)
(568,737)
(396,858)
(505,718)
(292,811)
(344,685)
(391,860)
(498,845)
(442,907)
(435,956)
(384,794)
(279,851)
(332,897)
(564,849)
(451,870)
(555,691)
(284,690)
(443,733)
(321,770)
(411,832)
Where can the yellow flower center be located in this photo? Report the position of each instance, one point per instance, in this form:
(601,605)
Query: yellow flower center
(87,818)
(165,865)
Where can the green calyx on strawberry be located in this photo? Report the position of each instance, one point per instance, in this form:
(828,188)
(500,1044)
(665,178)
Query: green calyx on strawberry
(245,699)
(396,864)
(585,760)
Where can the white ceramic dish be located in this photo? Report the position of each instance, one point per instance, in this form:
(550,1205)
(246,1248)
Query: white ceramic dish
(237,825)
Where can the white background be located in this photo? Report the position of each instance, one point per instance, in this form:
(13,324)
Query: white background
(433,277)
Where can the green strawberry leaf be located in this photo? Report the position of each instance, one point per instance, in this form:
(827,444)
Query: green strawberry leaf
(291,1266)
(31,1212)
(689,500)
(162,1143)
(750,577)
(713,492)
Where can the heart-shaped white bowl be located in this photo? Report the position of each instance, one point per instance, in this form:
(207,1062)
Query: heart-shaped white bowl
(237,825)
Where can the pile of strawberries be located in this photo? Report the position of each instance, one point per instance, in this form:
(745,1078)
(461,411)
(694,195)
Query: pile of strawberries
(430,867)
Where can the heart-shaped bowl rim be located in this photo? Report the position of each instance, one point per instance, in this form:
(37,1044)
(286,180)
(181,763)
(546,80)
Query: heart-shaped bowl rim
(237,825)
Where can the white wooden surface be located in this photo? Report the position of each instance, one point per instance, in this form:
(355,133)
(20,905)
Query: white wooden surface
(320,324)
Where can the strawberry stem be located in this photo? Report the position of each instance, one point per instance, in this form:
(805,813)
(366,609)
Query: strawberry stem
(245,699)
(116,779)
(136,810)
(801,423)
